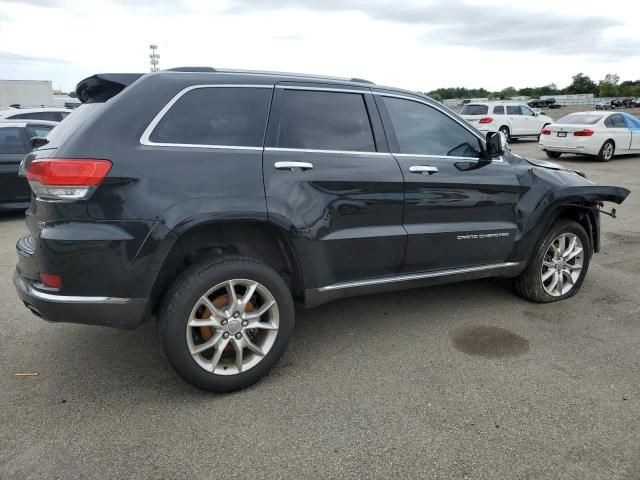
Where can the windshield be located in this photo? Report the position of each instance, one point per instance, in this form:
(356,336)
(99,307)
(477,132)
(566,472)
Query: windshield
(579,119)
(470,109)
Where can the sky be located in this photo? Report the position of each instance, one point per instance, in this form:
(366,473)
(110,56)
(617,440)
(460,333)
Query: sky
(418,45)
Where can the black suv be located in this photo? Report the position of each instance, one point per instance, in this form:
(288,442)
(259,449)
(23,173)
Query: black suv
(215,201)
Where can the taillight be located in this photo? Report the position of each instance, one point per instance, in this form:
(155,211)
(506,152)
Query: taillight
(583,133)
(66,178)
(545,131)
(50,280)
(486,120)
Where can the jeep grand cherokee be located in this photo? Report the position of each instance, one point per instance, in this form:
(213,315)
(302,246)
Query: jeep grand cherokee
(213,201)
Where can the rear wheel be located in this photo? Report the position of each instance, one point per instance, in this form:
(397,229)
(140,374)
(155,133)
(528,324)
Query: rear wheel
(553,154)
(559,265)
(225,323)
(504,130)
(607,151)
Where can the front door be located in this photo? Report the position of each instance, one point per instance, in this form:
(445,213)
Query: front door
(459,210)
(332,183)
(13,147)
(517,122)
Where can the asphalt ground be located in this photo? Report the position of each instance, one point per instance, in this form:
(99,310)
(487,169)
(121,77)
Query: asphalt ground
(456,381)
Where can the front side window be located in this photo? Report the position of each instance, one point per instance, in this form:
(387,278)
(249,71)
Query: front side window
(514,110)
(318,120)
(527,111)
(423,130)
(618,121)
(11,140)
(224,116)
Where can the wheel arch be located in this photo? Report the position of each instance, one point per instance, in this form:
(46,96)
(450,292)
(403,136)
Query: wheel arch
(256,239)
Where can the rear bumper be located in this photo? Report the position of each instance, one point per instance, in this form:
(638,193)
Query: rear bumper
(117,312)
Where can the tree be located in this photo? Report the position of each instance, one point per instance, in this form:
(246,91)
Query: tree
(581,83)
(507,93)
(608,87)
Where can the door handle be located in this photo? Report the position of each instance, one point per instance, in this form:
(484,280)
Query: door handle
(293,166)
(424,169)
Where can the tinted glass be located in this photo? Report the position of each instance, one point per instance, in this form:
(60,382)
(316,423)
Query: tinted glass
(608,122)
(498,110)
(618,121)
(421,129)
(216,116)
(39,130)
(579,119)
(514,110)
(51,116)
(324,121)
(11,140)
(471,109)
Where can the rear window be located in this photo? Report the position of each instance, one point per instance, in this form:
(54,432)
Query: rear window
(579,119)
(84,113)
(471,109)
(324,121)
(11,140)
(50,116)
(221,116)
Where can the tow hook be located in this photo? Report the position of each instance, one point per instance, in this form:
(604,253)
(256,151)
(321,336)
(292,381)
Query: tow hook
(612,213)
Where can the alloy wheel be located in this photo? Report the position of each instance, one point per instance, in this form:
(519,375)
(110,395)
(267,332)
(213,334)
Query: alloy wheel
(232,327)
(562,264)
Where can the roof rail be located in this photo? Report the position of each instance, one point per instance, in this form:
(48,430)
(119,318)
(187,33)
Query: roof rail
(361,80)
(190,69)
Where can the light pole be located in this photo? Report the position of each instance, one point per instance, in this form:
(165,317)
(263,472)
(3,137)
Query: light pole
(154,57)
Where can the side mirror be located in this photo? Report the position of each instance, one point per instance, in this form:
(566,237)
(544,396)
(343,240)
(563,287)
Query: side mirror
(496,143)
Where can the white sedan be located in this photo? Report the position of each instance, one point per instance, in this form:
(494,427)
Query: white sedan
(602,134)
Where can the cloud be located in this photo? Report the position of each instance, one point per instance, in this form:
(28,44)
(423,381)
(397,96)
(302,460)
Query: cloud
(9,58)
(35,3)
(451,22)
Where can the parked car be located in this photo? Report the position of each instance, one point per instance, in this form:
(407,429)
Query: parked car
(597,133)
(216,200)
(546,103)
(512,119)
(603,106)
(15,143)
(51,114)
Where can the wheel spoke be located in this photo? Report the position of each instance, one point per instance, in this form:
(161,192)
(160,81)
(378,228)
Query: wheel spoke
(574,267)
(261,311)
(230,286)
(546,276)
(239,353)
(576,251)
(571,247)
(560,282)
(548,264)
(569,276)
(204,322)
(251,289)
(554,282)
(212,308)
(218,353)
(201,347)
(262,325)
(253,347)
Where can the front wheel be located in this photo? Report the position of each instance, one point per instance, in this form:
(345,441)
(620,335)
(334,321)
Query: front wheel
(559,265)
(225,323)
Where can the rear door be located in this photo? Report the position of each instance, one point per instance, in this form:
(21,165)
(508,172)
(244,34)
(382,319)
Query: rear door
(517,123)
(618,131)
(13,147)
(459,210)
(332,183)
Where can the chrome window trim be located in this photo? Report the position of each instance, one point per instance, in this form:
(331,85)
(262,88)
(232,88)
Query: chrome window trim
(313,150)
(144,139)
(361,91)
(415,276)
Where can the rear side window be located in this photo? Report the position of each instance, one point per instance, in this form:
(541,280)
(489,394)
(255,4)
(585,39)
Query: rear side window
(514,110)
(39,130)
(324,121)
(498,110)
(471,109)
(423,130)
(221,116)
(618,121)
(11,140)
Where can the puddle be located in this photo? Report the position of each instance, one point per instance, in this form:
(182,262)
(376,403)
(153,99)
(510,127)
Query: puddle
(489,342)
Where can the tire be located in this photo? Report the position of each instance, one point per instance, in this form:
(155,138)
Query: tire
(506,132)
(607,151)
(553,154)
(533,286)
(225,334)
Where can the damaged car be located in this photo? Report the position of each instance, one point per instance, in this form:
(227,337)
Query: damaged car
(214,201)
